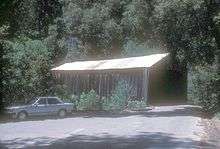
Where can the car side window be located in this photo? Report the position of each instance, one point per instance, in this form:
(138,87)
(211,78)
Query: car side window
(53,101)
(42,101)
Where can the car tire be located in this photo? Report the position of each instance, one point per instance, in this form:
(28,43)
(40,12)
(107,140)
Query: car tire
(62,113)
(22,115)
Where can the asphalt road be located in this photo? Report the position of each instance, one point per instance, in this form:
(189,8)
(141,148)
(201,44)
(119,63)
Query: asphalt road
(165,127)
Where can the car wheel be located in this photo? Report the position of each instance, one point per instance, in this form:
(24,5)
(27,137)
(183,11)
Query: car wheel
(22,115)
(62,113)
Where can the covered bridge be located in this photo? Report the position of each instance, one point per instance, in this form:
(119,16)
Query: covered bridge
(144,74)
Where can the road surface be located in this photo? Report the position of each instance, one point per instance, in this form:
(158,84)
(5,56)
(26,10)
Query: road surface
(164,127)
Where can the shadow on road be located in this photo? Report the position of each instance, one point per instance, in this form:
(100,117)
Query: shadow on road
(143,141)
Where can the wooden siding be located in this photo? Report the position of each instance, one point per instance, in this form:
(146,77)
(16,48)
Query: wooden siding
(103,82)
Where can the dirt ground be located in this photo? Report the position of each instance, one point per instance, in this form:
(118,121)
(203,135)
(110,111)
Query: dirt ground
(212,132)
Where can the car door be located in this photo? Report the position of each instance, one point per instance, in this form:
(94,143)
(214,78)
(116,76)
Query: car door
(41,107)
(54,105)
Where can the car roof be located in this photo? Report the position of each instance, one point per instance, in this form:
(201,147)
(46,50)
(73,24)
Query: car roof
(48,97)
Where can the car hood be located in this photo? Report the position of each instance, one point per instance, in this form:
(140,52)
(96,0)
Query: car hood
(16,107)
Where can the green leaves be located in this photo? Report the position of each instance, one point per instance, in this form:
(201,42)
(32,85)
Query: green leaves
(27,72)
(203,87)
(88,101)
(186,29)
(180,26)
(137,105)
(119,97)
(135,48)
(135,17)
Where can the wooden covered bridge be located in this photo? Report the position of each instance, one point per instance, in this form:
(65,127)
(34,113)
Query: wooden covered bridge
(144,74)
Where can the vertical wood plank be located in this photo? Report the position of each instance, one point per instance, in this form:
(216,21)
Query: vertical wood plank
(145,84)
(77,86)
(100,81)
(107,85)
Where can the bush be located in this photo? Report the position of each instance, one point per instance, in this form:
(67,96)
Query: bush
(89,101)
(113,103)
(136,105)
(26,71)
(203,87)
(61,92)
(118,100)
(107,104)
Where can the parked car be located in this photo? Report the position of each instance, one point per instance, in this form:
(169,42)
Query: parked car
(41,106)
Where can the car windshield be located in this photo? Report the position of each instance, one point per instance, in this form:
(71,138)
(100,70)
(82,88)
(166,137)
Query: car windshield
(31,101)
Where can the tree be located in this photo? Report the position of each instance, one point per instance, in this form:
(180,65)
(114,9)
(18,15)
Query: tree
(186,28)
(70,30)
(22,25)
(26,73)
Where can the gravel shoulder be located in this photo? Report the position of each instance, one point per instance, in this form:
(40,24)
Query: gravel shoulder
(212,131)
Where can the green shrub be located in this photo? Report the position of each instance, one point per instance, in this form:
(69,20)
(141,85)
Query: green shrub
(61,92)
(136,105)
(113,103)
(26,70)
(107,104)
(89,101)
(118,99)
(203,88)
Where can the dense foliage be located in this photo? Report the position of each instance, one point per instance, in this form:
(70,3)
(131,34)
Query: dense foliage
(26,72)
(118,99)
(88,101)
(37,35)
(204,87)
(137,105)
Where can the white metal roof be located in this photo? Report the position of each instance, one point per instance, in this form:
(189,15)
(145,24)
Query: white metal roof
(122,63)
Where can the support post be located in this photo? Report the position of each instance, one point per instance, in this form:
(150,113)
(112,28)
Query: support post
(100,91)
(145,84)
(100,82)
(77,86)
